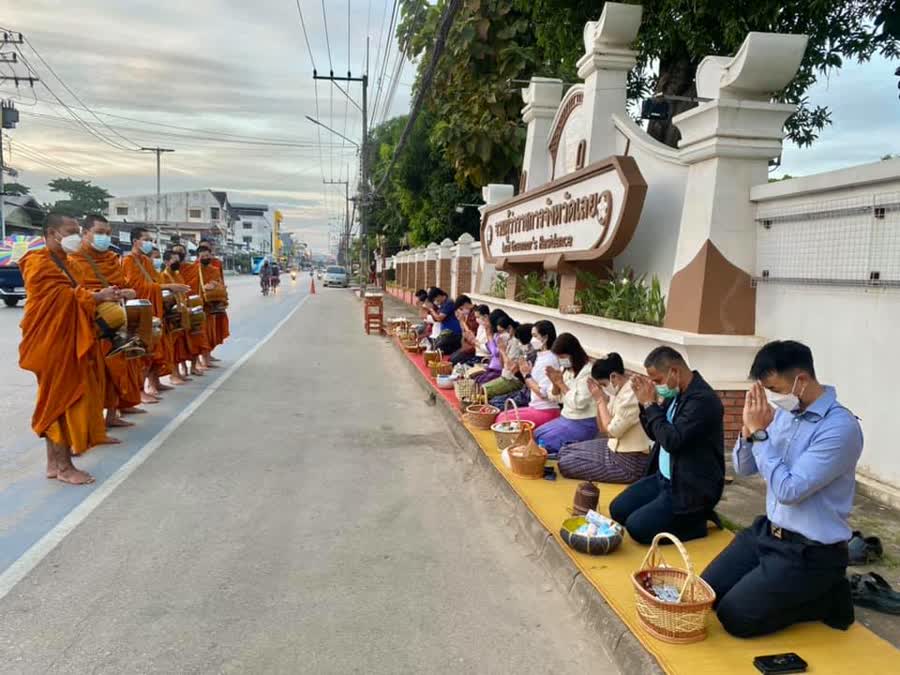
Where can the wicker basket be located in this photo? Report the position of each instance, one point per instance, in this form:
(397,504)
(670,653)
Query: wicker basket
(527,460)
(507,438)
(432,356)
(440,368)
(465,389)
(679,623)
(481,415)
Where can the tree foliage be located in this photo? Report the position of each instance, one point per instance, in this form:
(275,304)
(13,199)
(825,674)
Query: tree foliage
(16,189)
(419,201)
(495,41)
(84,198)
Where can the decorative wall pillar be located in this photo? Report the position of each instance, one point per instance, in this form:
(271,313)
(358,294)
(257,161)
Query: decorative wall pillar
(432,252)
(728,143)
(464,264)
(445,260)
(421,280)
(542,99)
(604,68)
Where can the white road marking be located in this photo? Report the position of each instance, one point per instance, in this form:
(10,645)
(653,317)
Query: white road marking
(34,555)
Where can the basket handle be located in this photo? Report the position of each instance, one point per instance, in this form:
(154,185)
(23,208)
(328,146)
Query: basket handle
(654,556)
(515,407)
(440,355)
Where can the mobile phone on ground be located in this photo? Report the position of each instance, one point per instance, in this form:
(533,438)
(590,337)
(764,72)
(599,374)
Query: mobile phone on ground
(780,663)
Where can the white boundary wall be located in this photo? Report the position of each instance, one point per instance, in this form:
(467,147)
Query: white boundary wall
(853,331)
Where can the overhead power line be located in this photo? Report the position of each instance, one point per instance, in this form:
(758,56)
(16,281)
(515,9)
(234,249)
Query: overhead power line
(427,78)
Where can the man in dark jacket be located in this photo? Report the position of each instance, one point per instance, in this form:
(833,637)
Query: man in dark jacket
(684,418)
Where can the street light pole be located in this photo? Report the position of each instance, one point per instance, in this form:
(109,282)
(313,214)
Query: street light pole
(158,152)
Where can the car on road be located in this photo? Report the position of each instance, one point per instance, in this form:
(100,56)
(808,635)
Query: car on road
(336,276)
(12,286)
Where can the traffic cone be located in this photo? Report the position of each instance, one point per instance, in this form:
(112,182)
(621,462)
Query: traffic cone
(312,286)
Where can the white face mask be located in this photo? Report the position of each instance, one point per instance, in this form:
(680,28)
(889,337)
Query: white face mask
(537,344)
(610,390)
(565,363)
(787,402)
(71,244)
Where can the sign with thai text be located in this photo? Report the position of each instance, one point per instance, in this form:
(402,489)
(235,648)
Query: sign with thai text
(585,215)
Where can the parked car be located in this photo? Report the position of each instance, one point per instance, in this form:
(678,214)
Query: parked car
(336,276)
(12,286)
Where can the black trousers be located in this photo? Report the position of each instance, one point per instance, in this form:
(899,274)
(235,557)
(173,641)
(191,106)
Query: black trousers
(764,584)
(645,510)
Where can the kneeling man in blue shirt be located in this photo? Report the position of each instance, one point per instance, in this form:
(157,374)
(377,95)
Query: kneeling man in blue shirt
(790,565)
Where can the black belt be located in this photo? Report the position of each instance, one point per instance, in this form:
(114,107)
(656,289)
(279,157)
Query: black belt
(787,535)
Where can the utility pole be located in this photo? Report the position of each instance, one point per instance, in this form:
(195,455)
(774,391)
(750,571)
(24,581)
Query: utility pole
(363,188)
(158,152)
(345,239)
(9,118)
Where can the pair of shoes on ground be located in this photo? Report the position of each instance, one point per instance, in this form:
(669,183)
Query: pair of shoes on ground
(864,550)
(873,591)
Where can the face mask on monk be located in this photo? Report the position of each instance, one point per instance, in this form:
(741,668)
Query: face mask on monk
(101,242)
(158,264)
(146,247)
(71,244)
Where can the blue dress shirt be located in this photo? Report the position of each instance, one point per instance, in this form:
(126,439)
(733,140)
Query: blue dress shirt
(809,465)
(665,459)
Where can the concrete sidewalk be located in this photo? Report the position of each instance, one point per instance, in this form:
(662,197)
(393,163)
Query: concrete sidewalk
(313,515)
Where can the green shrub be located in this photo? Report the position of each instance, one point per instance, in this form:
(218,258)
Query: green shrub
(625,297)
(498,287)
(535,290)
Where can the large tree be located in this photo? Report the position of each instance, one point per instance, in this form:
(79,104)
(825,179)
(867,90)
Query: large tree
(16,189)
(418,203)
(84,198)
(495,41)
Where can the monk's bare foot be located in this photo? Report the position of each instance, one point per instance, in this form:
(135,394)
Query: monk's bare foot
(52,471)
(73,476)
(148,399)
(109,440)
(212,358)
(163,387)
(211,365)
(132,411)
(197,370)
(118,422)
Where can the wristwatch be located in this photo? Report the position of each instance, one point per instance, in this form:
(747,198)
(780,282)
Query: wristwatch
(758,436)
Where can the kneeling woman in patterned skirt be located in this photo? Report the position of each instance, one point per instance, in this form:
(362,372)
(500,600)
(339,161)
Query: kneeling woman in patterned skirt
(620,453)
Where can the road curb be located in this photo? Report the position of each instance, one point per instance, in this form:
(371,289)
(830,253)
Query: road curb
(626,651)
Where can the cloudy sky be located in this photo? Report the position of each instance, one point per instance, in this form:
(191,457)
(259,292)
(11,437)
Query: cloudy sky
(210,68)
(223,72)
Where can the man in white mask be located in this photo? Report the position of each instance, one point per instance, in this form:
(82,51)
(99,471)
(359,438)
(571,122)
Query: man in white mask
(790,565)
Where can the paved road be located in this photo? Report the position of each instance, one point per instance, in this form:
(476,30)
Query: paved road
(312,515)
(29,504)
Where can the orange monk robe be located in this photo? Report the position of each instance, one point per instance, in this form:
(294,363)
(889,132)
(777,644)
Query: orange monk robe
(197,276)
(191,274)
(182,344)
(219,330)
(145,280)
(58,345)
(123,377)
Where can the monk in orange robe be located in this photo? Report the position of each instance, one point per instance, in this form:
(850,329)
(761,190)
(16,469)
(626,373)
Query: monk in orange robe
(196,344)
(58,345)
(220,328)
(96,267)
(181,340)
(141,275)
(204,277)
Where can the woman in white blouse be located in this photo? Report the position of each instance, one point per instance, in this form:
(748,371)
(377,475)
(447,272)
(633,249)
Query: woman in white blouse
(620,453)
(570,387)
(542,407)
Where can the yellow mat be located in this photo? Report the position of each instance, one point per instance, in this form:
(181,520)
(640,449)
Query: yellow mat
(857,651)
